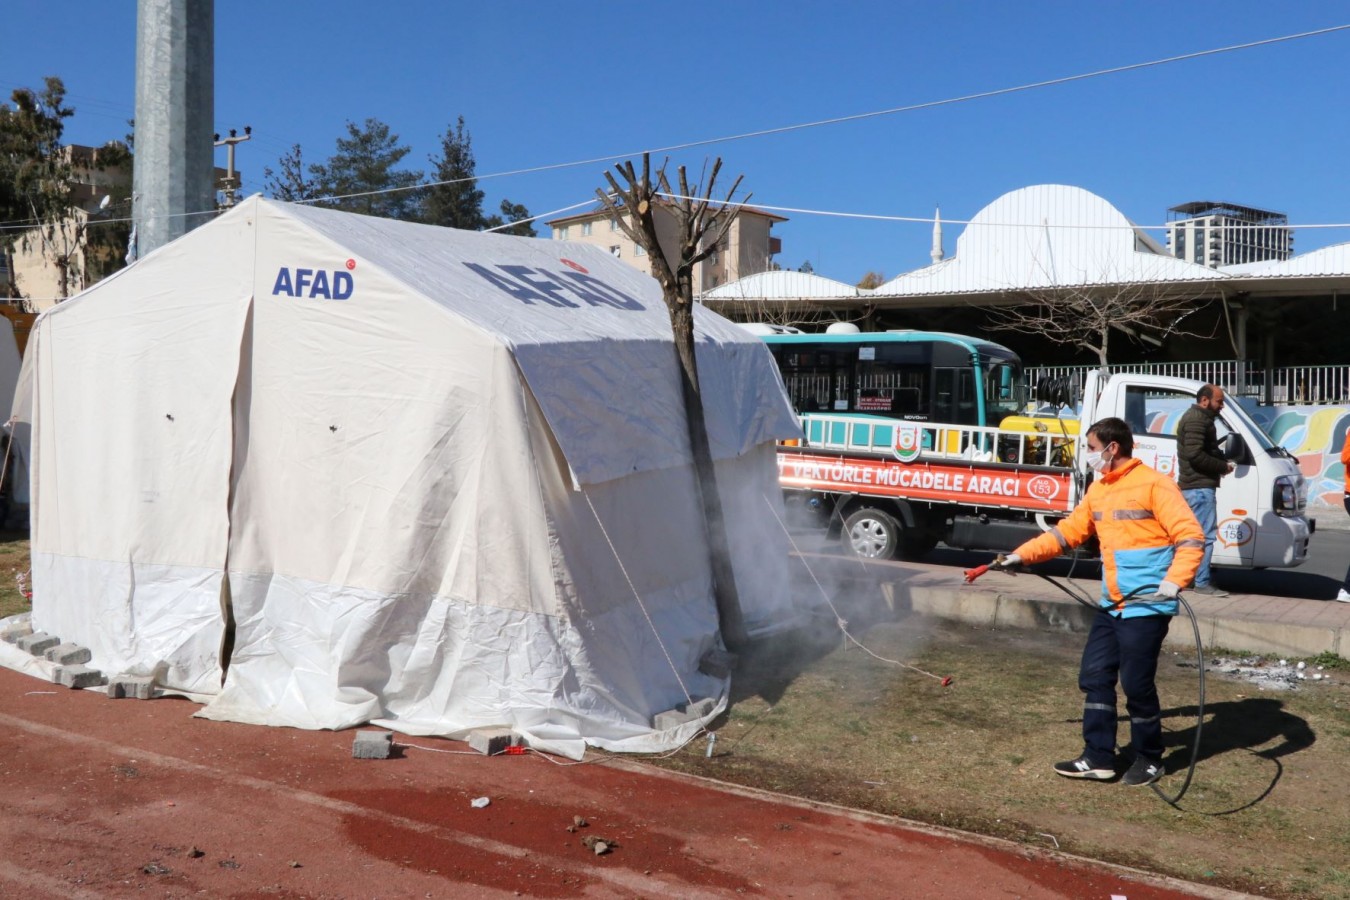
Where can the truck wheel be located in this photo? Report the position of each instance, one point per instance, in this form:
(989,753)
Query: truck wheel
(871,533)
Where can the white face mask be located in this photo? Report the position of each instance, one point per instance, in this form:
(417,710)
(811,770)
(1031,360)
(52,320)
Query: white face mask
(1095,461)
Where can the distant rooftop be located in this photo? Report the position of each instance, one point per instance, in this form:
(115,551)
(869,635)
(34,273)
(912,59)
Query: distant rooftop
(1199,208)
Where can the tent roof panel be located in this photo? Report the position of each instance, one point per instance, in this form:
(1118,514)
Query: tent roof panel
(591,335)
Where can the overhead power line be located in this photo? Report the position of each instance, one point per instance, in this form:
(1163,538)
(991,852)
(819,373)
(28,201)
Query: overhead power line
(837,214)
(838,120)
(929,220)
(913,107)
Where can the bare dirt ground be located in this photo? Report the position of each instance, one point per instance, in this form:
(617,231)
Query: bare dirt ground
(110,798)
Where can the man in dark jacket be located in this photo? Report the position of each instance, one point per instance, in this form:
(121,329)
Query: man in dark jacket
(1200,468)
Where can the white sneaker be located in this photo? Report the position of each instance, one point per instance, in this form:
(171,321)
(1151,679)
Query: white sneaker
(1343,596)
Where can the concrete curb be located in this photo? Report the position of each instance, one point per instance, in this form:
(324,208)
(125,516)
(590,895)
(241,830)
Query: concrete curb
(1330,519)
(1258,630)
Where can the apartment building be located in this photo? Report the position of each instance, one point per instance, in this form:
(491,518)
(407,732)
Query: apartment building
(100,198)
(747,248)
(99,190)
(1216,234)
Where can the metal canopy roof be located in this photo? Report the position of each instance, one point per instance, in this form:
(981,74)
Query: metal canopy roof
(1044,239)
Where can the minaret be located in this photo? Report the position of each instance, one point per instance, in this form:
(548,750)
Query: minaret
(936,252)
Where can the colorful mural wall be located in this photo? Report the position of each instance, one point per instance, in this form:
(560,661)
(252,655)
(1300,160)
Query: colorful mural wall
(1315,434)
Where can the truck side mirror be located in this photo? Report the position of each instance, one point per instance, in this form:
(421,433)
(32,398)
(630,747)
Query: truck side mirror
(1233,447)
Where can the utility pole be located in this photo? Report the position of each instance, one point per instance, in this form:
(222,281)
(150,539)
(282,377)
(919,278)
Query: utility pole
(231,178)
(175,103)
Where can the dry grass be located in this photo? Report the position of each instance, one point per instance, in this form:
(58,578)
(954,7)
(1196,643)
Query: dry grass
(13,563)
(1266,812)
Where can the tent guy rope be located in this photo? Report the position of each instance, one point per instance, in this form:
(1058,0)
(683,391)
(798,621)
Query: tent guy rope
(642,606)
(946,680)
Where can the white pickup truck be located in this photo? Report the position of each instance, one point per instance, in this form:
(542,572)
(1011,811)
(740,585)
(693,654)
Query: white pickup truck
(892,488)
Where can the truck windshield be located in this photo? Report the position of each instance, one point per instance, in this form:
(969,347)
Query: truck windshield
(1263,440)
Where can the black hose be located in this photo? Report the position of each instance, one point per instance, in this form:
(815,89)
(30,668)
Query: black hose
(1082,598)
(1199,711)
(1054,391)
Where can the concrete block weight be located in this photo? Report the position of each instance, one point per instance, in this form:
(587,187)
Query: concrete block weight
(68,654)
(373,745)
(76,677)
(37,643)
(11,633)
(131,687)
(491,741)
(685,712)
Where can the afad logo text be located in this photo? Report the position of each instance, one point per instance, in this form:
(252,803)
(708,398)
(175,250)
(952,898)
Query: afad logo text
(315,284)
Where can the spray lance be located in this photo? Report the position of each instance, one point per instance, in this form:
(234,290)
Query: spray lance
(1006,563)
(1143,594)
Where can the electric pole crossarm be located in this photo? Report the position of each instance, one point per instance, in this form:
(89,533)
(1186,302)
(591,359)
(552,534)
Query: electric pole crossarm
(231,179)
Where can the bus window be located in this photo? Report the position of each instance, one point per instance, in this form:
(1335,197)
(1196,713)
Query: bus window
(1002,390)
(892,389)
(944,395)
(919,376)
(967,410)
(816,378)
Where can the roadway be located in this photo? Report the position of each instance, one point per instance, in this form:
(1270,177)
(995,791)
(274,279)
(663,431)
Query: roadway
(1317,579)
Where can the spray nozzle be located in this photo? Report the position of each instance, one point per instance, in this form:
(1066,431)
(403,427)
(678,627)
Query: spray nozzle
(972,574)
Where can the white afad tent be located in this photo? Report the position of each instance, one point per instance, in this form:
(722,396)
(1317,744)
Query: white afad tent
(321,469)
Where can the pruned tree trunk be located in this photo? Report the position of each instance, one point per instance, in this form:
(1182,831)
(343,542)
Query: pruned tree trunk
(11,286)
(731,619)
(699,229)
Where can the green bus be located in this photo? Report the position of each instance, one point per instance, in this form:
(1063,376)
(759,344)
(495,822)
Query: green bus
(914,376)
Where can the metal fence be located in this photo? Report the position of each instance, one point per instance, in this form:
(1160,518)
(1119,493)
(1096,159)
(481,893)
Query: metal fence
(1287,385)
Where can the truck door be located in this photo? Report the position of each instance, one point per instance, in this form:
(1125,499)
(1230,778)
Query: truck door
(1153,413)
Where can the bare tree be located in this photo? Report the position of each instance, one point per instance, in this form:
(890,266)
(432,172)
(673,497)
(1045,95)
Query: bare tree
(700,224)
(1088,316)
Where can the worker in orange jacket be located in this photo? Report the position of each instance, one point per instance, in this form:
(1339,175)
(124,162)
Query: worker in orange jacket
(1148,536)
(1343,594)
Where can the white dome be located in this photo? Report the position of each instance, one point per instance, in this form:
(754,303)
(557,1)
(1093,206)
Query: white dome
(1046,236)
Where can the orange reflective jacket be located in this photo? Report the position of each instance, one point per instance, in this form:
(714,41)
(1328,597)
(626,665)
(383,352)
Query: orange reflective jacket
(1147,533)
(1345,460)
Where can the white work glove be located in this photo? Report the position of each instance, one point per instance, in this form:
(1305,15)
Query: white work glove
(1169,590)
(1007,562)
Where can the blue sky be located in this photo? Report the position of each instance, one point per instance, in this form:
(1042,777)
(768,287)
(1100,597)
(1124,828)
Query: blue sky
(543,83)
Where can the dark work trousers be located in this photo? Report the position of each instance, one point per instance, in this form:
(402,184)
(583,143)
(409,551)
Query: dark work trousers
(1124,650)
(1346,585)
